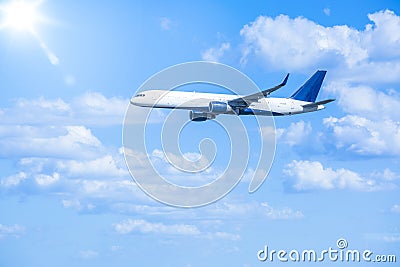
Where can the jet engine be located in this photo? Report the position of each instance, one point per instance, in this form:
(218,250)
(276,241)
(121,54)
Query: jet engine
(200,116)
(219,107)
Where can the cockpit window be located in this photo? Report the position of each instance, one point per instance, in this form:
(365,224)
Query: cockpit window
(140,95)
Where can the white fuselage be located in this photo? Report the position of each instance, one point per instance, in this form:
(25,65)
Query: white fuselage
(199,102)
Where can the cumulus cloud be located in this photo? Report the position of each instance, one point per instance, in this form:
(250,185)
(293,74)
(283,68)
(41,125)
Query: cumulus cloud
(365,101)
(186,161)
(93,103)
(88,254)
(105,166)
(259,210)
(165,23)
(142,226)
(386,175)
(215,53)
(363,136)
(372,126)
(13,180)
(395,208)
(223,235)
(281,214)
(90,109)
(63,141)
(296,133)
(130,226)
(300,44)
(42,103)
(47,180)
(391,238)
(15,230)
(312,175)
(102,178)
(173,174)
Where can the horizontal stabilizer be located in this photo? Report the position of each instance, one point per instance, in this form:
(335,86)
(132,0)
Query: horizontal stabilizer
(316,104)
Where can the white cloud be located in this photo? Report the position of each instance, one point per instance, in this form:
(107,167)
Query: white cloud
(70,80)
(64,141)
(82,135)
(47,180)
(327,11)
(13,180)
(395,208)
(373,128)
(88,254)
(391,238)
(105,166)
(365,101)
(386,175)
(55,151)
(142,226)
(42,103)
(256,209)
(364,136)
(222,235)
(296,133)
(97,104)
(312,175)
(101,180)
(12,230)
(281,214)
(106,189)
(77,205)
(300,44)
(135,208)
(163,167)
(165,23)
(383,36)
(115,248)
(90,109)
(215,54)
(174,174)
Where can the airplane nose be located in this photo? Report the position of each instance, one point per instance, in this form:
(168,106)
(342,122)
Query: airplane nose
(133,101)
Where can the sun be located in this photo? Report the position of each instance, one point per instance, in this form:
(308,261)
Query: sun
(23,15)
(20,15)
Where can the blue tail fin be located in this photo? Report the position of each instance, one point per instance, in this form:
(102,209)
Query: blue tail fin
(309,91)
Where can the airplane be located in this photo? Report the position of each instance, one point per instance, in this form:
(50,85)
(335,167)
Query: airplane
(207,106)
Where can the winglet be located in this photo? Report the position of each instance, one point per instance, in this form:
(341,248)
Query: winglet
(273,89)
(285,80)
(245,101)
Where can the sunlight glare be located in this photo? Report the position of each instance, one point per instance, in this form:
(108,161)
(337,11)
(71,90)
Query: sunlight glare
(20,15)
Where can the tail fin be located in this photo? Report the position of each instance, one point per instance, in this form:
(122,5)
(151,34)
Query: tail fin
(309,91)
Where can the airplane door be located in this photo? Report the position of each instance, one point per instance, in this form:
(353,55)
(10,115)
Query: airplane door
(291,107)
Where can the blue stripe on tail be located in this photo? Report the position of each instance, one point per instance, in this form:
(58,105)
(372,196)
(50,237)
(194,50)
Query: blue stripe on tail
(309,91)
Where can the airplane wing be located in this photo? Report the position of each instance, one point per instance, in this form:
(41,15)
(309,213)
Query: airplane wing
(323,102)
(247,100)
(198,104)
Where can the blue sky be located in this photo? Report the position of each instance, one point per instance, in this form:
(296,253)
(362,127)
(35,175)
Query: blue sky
(66,197)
